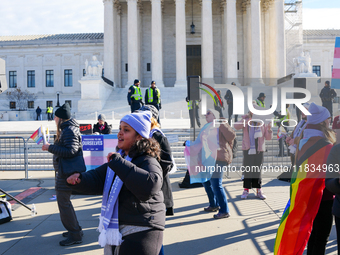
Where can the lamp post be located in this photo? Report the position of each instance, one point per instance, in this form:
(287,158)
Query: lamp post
(58,105)
(192,26)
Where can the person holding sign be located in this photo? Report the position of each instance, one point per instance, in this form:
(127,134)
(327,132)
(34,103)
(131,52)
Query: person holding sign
(67,145)
(133,213)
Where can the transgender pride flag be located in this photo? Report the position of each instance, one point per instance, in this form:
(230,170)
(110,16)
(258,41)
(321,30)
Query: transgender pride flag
(336,65)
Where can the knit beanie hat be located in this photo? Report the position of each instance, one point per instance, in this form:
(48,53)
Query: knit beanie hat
(216,114)
(319,114)
(139,121)
(101,117)
(63,112)
(150,108)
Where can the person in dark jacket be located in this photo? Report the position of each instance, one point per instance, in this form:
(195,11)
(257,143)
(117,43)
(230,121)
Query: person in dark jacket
(134,96)
(38,111)
(67,145)
(153,97)
(102,127)
(333,185)
(133,213)
(229,99)
(165,160)
(327,95)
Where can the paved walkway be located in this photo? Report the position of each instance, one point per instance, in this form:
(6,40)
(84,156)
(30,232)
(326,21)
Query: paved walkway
(250,230)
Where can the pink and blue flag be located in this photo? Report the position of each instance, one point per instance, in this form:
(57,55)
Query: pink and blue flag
(336,65)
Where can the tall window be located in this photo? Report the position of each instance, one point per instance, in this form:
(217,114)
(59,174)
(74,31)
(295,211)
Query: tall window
(12,79)
(68,77)
(69,102)
(30,79)
(317,70)
(12,105)
(84,72)
(49,78)
(49,103)
(30,104)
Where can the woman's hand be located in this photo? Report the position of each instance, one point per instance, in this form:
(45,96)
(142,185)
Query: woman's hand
(269,127)
(108,157)
(45,147)
(73,179)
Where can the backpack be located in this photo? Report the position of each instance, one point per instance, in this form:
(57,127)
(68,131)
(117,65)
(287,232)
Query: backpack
(5,212)
(234,149)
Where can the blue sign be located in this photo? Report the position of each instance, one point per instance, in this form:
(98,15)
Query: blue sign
(93,142)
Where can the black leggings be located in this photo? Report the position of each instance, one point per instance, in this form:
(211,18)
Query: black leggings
(322,227)
(147,242)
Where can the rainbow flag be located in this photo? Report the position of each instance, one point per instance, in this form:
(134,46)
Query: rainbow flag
(306,189)
(336,65)
(37,136)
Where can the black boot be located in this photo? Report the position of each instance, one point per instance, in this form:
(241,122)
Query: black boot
(72,239)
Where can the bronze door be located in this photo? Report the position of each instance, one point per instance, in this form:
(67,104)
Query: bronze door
(194,60)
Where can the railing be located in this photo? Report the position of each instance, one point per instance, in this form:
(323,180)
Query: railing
(22,154)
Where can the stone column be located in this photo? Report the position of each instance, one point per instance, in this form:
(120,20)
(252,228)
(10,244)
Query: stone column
(272,45)
(109,39)
(21,74)
(245,42)
(207,43)
(181,48)
(156,43)
(280,38)
(230,33)
(132,39)
(256,49)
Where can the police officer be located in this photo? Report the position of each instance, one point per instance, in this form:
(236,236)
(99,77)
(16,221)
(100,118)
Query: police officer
(135,97)
(327,94)
(153,97)
(193,114)
(260,100)
(49,112)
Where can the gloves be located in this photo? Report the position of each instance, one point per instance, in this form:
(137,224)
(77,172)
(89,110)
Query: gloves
(184,143)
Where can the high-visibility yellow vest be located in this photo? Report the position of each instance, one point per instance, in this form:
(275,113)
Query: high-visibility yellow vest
(285,117)
(150,95)
(137,95)
(259,103)
(190,104)
(49,109)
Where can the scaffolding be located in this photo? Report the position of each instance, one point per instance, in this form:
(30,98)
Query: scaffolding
(294,32)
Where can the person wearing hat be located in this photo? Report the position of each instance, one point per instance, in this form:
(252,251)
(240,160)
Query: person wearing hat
(132,217)
(134,96)
(66,145)
(310,201)
(102,127)
(260,100)
(292,140)
(327,95)
(229,99)
(153,97)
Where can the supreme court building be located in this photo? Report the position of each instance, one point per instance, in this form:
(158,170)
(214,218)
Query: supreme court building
(167,40)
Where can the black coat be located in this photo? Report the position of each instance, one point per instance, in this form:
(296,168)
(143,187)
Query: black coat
(68,146)
(332,177)
(141,198)
(106,130)
(166,164)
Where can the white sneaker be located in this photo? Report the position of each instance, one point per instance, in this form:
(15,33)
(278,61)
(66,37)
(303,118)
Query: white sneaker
(245,194)
(260,194)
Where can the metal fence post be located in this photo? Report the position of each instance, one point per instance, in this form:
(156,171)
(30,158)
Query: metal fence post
(26,158)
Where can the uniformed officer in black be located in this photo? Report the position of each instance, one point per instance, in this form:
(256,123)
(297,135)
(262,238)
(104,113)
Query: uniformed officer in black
(153,97)
(327,95)
(135,97)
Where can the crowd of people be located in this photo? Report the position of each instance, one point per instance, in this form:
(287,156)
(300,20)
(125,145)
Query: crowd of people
(135,182)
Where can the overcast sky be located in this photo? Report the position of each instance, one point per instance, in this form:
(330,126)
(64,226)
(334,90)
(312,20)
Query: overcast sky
(31,17)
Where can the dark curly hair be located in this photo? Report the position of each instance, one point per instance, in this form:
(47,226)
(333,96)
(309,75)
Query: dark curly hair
(148,146)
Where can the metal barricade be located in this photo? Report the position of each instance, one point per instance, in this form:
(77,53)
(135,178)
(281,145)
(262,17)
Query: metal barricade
(38,160)
(13,154)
